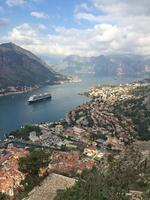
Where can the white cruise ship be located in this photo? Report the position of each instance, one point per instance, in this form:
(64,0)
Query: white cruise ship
(39,97)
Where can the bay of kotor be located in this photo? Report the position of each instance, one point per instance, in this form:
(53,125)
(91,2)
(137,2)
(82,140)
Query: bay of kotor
(74,100)
(15,110)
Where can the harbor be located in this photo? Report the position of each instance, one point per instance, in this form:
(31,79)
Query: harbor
(16,112)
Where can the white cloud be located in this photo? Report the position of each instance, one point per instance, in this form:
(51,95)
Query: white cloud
(132,19)
(101,39)
(133,12)
(87,16)
(41,27)
(39,15)
(24,34)
(116,26)
(15,2)
(126,7)
(82,7)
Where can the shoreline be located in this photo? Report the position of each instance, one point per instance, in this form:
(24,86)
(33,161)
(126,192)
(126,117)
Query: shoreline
(30,89)
(87,94)
(18,92)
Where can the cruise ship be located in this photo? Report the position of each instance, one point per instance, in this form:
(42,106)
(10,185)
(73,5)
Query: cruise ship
(39,97)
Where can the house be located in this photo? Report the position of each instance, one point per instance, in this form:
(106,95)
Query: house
(10,176)
(99,155)
(7,186)
(33,137)
(77,130)
(71,145)
(59,129)
(69,163)
(2,174)
(90,151)
(43,171)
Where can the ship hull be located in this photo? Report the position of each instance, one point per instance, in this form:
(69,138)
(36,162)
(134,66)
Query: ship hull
(37,100)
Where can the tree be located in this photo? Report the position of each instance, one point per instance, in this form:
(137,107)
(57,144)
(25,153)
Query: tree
(33,162)
(96,185)
(25,131)
(3,196)
(111,180)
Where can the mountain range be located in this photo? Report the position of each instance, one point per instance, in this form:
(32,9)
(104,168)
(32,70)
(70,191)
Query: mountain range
(19,67)
(105,65)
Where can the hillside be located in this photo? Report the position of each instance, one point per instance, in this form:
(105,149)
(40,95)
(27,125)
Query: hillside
(104,65)
(19,67)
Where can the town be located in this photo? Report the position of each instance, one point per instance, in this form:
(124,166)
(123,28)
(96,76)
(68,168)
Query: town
(102,127)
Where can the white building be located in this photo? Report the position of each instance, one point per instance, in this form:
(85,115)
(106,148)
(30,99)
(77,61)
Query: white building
(33,137)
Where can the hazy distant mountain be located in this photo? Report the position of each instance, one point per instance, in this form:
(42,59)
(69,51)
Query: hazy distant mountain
(19,67)
(113,65)
(74,65)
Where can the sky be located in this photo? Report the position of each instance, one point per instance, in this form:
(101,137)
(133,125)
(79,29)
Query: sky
(77,27)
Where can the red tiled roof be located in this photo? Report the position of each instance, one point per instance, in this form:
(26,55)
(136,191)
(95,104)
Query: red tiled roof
(6,184)
(64,162)
(11,176)
(2,173)
(92,148)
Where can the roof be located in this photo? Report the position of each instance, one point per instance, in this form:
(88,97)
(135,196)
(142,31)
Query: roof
(91,148)
(6,184)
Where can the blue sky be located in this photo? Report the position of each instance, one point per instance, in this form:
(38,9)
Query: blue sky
(57,13)
(81,27)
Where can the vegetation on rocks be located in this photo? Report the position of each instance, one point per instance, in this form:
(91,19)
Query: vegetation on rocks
(30,165)
(112,180)
(23,133)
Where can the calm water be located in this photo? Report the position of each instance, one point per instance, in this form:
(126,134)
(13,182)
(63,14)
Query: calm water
(15,111)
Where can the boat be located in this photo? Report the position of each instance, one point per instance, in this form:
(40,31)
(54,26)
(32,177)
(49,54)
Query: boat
(36,98)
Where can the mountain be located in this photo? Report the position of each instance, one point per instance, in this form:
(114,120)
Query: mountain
(19,67)
(74,65)
(104,65)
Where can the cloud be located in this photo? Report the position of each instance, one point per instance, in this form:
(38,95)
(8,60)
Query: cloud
(88,17)
(82,7)
(12,3)
(93,18)
(24,34)
(41,27)
(117,11)
(115,26)
(126,7)
(39,15)
(132,19)
(4,21)
(101,39)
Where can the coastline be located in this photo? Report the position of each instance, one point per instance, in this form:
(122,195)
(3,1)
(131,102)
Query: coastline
(19,91)
(99,123)
(30,89)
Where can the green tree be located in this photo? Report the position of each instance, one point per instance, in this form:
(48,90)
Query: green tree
(33,162)
(111,180)
(25,131)
(3,196)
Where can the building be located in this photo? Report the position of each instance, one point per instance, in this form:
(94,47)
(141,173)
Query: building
(69,163)
(90,151)
(10,176)
(33,137)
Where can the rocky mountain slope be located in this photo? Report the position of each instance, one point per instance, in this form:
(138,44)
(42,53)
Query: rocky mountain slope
(19,67)
(112,65)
